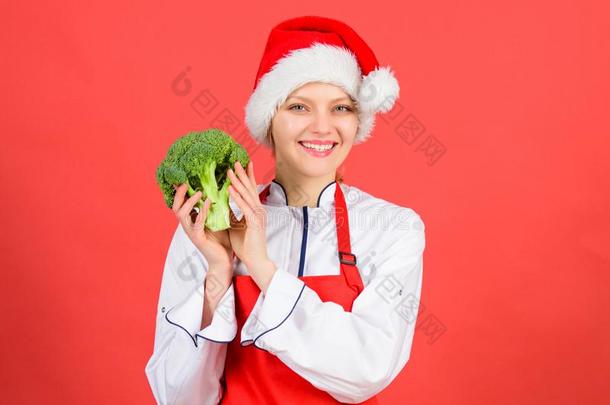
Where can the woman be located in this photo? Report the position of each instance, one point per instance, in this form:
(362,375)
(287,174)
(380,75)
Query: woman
(313,293)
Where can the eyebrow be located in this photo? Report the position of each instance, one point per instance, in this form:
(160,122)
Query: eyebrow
(332,101)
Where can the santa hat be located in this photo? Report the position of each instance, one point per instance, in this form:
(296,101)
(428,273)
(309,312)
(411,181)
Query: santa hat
(317,49)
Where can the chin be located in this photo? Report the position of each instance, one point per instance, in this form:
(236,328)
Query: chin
(318,171)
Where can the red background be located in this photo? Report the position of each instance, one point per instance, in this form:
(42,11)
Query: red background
(516,209)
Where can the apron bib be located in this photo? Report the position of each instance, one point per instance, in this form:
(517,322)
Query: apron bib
(255,376)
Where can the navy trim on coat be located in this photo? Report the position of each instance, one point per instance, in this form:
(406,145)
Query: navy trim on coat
(286,194)
(280,324)
(303,241)
(283,190)
(194,339)
(321,192)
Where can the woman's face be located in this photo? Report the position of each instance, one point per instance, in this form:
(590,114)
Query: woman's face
(315,113)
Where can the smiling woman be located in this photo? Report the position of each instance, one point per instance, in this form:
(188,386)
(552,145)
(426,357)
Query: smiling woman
(311,134)
(299,309)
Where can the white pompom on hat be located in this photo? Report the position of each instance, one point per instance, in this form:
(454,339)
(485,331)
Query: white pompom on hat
(317,49)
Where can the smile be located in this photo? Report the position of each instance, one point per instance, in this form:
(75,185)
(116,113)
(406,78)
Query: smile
(318,150)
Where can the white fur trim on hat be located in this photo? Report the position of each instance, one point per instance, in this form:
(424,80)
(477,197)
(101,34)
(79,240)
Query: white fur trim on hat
(320,63)
(379,90)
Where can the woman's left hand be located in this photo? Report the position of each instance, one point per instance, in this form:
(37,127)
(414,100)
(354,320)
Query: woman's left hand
(248,237)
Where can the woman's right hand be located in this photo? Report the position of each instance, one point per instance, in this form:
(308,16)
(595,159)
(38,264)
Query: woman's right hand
(215,246)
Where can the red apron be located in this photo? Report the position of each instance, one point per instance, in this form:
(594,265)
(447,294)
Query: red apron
(255,376)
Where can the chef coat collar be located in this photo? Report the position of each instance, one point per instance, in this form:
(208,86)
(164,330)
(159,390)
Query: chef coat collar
(278,196)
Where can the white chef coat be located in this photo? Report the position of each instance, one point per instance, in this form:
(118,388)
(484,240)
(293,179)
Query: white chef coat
(351,355)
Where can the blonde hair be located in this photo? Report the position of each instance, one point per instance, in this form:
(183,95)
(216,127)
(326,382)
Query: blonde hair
(269,139)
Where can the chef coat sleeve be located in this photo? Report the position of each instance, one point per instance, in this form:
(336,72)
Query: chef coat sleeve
(187,363)
(351,355)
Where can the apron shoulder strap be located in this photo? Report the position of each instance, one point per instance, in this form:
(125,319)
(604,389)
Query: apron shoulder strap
(347,259)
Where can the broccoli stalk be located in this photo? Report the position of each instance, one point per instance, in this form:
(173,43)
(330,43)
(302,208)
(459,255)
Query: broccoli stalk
(218,214)
(201,159)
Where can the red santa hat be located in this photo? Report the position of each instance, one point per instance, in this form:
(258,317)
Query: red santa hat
(317,49)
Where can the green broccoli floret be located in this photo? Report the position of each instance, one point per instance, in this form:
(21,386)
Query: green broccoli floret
(201,160)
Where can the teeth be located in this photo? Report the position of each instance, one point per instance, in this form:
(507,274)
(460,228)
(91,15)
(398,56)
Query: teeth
(319,148)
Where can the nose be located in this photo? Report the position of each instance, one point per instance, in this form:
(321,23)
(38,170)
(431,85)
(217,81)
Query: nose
(321,123)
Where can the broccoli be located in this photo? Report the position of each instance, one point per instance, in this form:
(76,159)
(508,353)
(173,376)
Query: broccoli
(201,160)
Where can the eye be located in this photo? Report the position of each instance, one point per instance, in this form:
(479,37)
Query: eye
(296,105)
(347,108)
